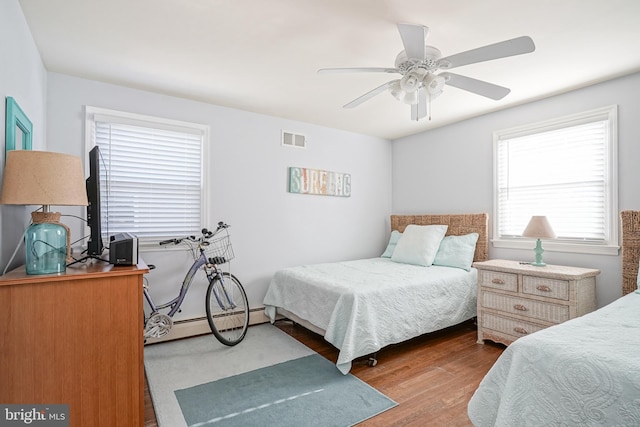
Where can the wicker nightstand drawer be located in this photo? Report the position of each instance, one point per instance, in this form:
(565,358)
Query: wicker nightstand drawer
(547,312)
(498,280)
(513,327)
(517,299)
(550,288)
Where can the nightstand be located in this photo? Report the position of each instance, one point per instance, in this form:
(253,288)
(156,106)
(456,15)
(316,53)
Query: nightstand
(517,299)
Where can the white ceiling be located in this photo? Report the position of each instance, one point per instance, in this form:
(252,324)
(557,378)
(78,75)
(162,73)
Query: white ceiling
(263,55)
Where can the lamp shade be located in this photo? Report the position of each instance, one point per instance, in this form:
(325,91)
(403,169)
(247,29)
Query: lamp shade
(43,178)
(539,228)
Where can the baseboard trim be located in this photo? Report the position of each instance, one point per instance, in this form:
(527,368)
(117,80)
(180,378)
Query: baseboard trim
(200,326)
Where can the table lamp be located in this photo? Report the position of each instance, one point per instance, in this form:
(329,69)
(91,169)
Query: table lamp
(539,228)
(44,178)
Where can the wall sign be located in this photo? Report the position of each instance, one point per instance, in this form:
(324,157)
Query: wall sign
(318,181)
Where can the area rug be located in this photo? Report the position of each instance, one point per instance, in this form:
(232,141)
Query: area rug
(269,379)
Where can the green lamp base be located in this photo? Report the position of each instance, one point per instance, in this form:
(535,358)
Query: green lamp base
(538,251)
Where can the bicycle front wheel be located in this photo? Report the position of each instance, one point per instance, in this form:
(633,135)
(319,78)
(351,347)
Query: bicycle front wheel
(227,309)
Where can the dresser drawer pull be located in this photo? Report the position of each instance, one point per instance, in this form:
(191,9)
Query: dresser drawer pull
(520,330)
(543,288)
(498,281)
(520,307)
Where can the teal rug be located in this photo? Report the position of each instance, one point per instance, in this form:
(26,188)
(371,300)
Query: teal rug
(176,369)
(309,391)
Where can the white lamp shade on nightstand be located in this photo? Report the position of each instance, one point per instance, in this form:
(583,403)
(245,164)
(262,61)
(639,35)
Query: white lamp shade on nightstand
(539,228)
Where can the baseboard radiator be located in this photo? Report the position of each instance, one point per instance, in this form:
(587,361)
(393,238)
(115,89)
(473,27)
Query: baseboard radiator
(200,326)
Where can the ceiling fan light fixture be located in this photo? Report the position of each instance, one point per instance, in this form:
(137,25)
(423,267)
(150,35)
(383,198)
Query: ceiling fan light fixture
(412,81)
(396,90)
(410,98)
(434,85)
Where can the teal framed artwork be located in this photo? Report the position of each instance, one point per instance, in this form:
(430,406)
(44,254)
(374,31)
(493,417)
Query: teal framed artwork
(18,127)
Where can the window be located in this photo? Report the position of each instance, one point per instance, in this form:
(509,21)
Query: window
(152,174)
(564,169)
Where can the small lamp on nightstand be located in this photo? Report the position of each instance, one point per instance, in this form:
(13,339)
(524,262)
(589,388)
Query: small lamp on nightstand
(539,228)
(44,178)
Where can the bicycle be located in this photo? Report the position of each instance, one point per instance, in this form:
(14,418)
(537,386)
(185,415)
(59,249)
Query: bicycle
(226,300)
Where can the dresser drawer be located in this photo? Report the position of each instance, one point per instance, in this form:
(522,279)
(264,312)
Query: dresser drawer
(498,280)
(505,325)
(548,312)
(550,288)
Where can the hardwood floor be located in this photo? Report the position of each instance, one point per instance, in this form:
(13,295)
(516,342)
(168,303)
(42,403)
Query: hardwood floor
(431,377)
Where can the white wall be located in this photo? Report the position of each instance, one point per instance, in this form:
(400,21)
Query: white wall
(444,170)
(450,169)
(23,77)
(271,228)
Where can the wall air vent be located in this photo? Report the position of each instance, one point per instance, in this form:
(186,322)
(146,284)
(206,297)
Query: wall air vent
(293,140)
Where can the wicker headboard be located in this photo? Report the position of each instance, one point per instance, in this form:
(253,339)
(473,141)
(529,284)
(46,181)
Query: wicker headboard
(630,250)
(459,224)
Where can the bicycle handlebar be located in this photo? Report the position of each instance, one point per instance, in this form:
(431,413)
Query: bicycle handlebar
(206,234)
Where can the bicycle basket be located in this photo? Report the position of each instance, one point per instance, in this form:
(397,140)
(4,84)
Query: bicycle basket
(220,250)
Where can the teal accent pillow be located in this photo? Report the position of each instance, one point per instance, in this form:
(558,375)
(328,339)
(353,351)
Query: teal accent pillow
(457,251)
(393,240)
(418,244)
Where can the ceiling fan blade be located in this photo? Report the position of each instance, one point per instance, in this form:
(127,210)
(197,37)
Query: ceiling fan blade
(419,110)
(476,86)
(413,39)
(367,96)
(503,49)
(358,70)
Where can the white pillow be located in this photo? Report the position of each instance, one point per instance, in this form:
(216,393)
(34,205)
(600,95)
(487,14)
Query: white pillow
(419,244)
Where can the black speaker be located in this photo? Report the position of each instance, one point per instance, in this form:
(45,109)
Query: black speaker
(123,249)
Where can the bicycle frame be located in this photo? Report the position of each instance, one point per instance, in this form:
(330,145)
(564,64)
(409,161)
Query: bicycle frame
(186,283)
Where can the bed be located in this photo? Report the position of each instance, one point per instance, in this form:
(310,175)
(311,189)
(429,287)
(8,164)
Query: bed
(584,372)
(361,306)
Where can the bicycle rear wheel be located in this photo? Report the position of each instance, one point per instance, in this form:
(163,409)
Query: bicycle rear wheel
(227,309)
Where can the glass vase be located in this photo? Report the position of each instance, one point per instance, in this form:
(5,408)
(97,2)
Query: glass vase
(46,245)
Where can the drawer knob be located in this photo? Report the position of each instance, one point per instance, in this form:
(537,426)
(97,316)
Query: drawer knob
(543,288)
(520,307)
(520,330)
(498,281)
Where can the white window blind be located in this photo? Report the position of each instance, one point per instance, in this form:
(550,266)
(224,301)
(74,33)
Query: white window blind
(151,176)
(564,169)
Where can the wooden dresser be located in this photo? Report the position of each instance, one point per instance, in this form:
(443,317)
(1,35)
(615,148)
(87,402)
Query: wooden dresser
(76,339)
(516,299)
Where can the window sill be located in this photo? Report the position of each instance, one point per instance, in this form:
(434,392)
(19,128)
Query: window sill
(550,246)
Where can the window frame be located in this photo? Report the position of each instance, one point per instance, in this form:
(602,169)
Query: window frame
(611,244)
(161,123)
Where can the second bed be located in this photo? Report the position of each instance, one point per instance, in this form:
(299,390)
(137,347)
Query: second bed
(361,306)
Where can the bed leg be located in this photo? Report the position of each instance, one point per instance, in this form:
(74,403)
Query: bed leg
(373,360)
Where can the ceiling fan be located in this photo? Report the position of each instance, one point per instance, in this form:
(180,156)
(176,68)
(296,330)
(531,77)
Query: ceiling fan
(417,65)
